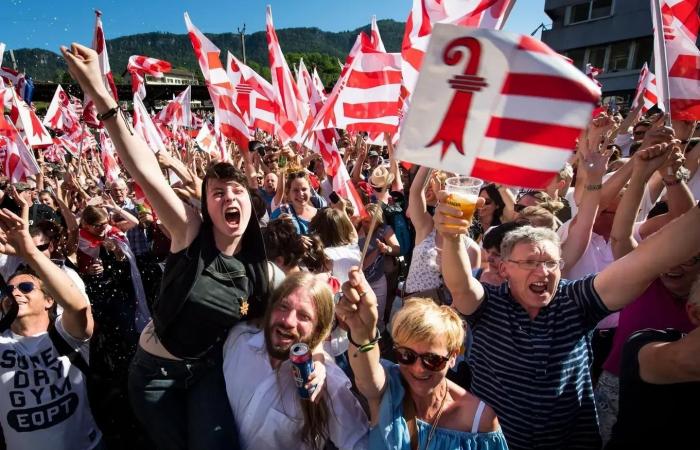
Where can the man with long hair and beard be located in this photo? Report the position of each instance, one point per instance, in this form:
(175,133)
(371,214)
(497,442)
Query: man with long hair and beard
(259,381)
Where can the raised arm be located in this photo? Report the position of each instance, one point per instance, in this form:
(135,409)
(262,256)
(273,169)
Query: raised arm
(397,184)
(358,310)
(467,292)
(671,362)
(137,157)
(626,279)
(593,163)
(77,317)
(417,206)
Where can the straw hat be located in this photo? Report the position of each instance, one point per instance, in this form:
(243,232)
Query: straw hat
(381,177)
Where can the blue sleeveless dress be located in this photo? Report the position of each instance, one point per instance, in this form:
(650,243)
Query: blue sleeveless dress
(392,431)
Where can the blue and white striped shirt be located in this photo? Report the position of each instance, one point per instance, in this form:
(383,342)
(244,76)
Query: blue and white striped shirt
(536,373)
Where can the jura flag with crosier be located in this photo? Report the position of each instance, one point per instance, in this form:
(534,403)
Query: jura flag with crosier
(497,106)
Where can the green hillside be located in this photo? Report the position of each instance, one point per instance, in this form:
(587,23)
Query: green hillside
(320,49)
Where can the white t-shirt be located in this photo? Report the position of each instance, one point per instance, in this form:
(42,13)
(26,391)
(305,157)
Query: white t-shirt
(265,401)
(43,398)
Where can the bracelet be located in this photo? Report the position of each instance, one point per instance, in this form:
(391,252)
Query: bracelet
(671,183)
(108,114)
(594,187)
(364,348)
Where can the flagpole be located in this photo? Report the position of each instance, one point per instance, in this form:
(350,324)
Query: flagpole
(662,71)
(82,139)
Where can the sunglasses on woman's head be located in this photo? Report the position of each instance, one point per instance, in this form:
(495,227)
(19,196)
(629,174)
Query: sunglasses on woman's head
(24,287)
(430,361)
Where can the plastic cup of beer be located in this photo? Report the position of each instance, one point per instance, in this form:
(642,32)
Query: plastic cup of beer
(463,193)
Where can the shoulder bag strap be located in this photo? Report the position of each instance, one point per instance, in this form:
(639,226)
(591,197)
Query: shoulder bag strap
(64,349)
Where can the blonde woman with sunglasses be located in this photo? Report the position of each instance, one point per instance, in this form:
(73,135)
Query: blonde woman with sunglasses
(412,404)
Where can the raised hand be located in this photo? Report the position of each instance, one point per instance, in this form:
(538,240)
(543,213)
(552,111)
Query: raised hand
(357,307)
(647,160)
(84,68)
(448,219)
(15,233)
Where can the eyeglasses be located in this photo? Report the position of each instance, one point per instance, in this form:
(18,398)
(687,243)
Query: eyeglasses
(528,264)
(43,247)
(24,287)
(430,361)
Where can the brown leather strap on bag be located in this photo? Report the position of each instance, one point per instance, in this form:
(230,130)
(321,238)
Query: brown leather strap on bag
(409,414)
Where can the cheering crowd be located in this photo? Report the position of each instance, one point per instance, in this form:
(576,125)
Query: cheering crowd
(557,318)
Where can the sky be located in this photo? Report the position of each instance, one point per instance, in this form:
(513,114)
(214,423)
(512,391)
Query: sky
(48,24)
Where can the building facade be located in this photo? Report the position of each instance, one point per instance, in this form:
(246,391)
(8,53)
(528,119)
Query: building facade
(174,77)
(613,35)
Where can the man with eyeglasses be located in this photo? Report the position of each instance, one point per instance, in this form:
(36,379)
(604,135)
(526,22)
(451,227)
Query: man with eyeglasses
(531,351)
(43,393)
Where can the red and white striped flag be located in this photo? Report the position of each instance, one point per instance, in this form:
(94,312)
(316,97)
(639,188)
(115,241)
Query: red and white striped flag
(144,126)
(227,114)
(254,96)
(497,106)
(646,90)
(683,15)
(138,66)
(19,162)
(592,72)
(677,35)
(16,79)
(178,112)
(100,46)
(286,91)
(109,161)
(490,14)
(374,36)
(61,114)
(26,120)
(367,98)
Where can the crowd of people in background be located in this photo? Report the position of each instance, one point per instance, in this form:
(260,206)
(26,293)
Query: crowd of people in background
(140,314)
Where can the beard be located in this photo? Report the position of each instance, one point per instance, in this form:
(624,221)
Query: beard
(280,352)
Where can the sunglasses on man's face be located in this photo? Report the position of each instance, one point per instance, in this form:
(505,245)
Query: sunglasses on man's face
(43,247)
(430,361)
(24,287)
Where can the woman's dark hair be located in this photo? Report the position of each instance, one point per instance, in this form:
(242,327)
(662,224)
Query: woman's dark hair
(495,196)
(334,228)
(219,171)
(283,241)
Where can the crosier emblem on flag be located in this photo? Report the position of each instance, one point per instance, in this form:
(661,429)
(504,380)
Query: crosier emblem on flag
(485,111)
(454,123)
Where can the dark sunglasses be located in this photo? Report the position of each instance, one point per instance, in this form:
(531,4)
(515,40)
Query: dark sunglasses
(430,361)
(43,247)
(293,175)
(24,287)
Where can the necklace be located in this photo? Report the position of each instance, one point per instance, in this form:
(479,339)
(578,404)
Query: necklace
(244,302)
(437,418)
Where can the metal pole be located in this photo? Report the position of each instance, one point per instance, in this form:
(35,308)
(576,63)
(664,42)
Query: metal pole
(242,33)
(662,70)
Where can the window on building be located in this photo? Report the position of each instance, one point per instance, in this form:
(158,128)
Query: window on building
(620,56)
(643,52)
(590,10)
(596,56)
(577,56)
(601,8)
